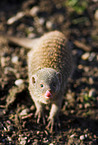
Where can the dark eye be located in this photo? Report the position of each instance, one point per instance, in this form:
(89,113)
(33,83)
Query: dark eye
(54,85)
(41,85)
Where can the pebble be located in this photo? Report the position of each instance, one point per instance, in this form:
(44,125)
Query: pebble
(35,142)
(40,29)
(15,18)
(9,139)
(86,69)
(3,61)
(91,81)
(41,21)
(92,56)
(72,136)
(24,112)
(92,93)
(30,29)
(61,18)
(80,106)
(10,128)
(87,105)
(85,56)
(19,82)
(45,140)
(96,15)
(23,140)
(97,57)
(80,66)
(49,25)
(38,132)
(82,137)
(70,98)
(15,59)
(34,11)
(86,135)
(32,108)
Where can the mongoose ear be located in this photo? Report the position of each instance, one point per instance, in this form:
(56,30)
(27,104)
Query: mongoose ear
(33,79)
(59,77)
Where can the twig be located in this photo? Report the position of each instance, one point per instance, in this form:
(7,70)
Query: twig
(82,46)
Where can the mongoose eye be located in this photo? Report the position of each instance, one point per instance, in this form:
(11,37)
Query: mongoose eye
(54,85)
(41,85)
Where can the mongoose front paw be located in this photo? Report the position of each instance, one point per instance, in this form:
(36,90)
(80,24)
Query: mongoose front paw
(40,116)
(53,124)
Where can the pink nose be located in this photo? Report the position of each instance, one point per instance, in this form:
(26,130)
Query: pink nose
(48,94)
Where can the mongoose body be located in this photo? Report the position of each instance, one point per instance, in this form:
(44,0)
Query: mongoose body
(49,66)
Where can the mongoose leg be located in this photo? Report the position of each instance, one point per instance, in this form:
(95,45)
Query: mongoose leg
(39,112)
(53,117)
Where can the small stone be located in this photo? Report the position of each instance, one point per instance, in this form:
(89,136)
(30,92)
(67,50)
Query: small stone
(9,139)
(49,25)
(41,21)
(19,82)
(86,135)
(92,56)
(45,140)
(38,132)
(4,128)
(87,105)
(72,111)
(23,142)
(40,29)
(15,59)
(86,69)
(82,137)
(35,142)
(72,136)
(80,66)
(3,61)
(92,93)
(30,29)
(85,56)
(80,106)
(91,81)
(31,35)
(97,57)
(70,98)
(15,18)
(61,18)
(34,11)
(96,15)
(24,112)
(32,108)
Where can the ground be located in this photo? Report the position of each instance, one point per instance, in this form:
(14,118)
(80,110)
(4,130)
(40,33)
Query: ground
(78,20)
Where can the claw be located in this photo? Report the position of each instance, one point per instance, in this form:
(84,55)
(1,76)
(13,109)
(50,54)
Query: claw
(53,124)
(50,125)
(40,116)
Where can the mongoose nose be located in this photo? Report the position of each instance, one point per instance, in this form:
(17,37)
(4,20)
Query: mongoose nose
(48,94)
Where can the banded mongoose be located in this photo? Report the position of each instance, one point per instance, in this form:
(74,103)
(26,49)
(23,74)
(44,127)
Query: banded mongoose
(49,66)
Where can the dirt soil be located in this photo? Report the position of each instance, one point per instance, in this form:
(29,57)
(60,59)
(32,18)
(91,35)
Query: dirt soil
(79,113)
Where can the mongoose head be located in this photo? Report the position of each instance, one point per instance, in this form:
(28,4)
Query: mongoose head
(45,84)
